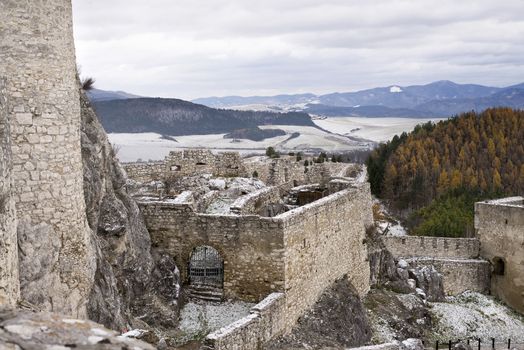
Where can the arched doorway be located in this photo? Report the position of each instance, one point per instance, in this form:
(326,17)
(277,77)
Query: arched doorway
(206,267)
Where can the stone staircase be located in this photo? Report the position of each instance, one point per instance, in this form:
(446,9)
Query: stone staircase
(206,292)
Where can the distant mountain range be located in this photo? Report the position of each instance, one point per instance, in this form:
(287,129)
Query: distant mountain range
(438,99)
(122,112)
(175,117)
(103,95)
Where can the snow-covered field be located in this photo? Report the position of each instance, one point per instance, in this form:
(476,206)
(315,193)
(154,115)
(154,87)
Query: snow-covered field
(200,319)
(375,129)
(151,146)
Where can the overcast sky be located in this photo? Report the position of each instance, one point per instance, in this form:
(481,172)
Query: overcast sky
(198,48)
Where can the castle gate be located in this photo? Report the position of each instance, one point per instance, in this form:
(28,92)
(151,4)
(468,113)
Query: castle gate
(206,267)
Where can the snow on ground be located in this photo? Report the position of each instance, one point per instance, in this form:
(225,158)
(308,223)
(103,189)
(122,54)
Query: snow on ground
(200,319)
(387,223)
(374,129)
(478,316)
(151,146)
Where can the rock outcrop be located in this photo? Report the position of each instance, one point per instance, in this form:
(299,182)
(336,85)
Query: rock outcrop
(337,320)
(128,282)
(45,331)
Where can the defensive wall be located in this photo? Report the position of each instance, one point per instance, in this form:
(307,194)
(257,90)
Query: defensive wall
(43,105)
(299,252)
(459,275)
(455,258)
(499,226)
(436,247)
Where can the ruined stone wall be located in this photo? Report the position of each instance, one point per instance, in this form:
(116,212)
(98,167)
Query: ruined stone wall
(266,321)
(499,225)
(199,161)
(9,284)
(251,246)
(187,163)
(436,247)
(324,241)
(459,275)
(254,202)
(229,164)
(37,57)
(145,172)
(287,171)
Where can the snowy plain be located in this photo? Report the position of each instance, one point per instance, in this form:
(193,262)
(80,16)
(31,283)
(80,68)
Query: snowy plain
(339,134)
(375,129)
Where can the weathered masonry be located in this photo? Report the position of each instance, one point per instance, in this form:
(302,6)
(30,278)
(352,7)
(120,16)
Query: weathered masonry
(457,259)
(499,225)
(299,252)
(280,171)
(37,61)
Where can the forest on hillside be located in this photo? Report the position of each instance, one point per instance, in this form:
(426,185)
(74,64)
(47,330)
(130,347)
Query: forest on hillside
(177,117)
(436,172)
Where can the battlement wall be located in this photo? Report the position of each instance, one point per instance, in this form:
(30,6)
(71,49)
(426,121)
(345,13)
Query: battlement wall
(459,275)
(437,247)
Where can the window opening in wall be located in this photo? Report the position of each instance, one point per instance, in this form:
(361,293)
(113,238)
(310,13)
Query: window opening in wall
(176,168)
(206,267)
(200,163)
(498,266)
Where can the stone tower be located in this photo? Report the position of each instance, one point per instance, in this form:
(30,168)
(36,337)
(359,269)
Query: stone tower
(37,61)
(9,285)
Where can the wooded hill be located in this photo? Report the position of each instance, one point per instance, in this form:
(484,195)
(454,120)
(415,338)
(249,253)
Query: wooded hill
(177,117)
(449,165)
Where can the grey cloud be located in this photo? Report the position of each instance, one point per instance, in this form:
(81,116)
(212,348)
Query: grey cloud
(193,48)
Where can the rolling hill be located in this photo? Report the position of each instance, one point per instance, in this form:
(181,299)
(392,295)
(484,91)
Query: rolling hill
(177,117)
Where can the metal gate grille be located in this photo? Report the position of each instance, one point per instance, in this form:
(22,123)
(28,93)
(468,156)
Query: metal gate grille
(206,267)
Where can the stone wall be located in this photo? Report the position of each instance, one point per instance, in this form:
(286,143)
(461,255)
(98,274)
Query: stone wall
(499,225)
(309,247)
(9,285)
(145,172)
(254,202)
(187,163)
(252,247)
(459,275)
(324,241)
(38,59)
(266,321)
(436,247)
(199,161)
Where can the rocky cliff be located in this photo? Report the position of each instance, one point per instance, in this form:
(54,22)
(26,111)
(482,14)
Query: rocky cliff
(9,285)
(131,287)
